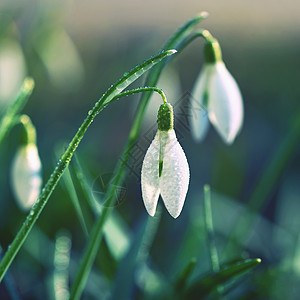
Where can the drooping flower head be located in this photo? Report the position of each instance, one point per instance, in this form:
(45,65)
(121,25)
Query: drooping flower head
(165,170)
(216,98)
(26,177)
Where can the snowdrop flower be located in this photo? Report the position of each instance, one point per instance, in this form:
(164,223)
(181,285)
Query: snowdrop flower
(26,177)
(165,170)
(12,71)
(216,98)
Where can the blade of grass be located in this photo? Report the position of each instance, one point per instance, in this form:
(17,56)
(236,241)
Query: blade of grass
(69,187)
(183,277)
(96,236)
(214,259)
(213,252)
(62,164)
(82,180)
(209,283)
(8,120)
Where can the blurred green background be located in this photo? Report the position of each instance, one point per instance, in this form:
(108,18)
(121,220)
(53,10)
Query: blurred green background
(75,50)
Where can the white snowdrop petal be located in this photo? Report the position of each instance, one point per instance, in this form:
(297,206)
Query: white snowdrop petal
(175,176)
(225,103)
(149,177)
(26,176)
(198,113)
(12,70)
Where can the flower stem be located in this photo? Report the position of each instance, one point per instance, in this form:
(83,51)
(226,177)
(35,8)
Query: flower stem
(8,120)
(194,35)
(29,133)
(62,164)
(213,252)
(110,196)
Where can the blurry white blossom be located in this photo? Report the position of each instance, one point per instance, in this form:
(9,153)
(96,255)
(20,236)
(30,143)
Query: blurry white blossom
(216,98)
(12,70)
(26,177)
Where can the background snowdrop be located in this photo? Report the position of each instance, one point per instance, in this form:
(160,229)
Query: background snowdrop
(216,98)
(26,177)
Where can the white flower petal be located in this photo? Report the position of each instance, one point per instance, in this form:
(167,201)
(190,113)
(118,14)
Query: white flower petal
(198,113)
(175,176)
(225,103)
(149,177)
(12,70)
(26,176)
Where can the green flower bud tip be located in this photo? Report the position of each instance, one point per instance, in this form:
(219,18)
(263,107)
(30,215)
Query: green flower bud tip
(165,118)
(212,52)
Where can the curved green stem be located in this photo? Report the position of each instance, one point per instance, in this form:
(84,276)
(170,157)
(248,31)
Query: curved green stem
(29,133)
(110,196)
(140,90)
(8,120)
(194,35)
(62,164)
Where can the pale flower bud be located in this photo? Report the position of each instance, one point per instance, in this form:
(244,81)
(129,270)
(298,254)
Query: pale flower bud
(165,169)
(26,177)
(216,98)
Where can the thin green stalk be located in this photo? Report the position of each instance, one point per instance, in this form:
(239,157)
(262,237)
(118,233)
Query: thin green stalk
(214,259)
(194,35)
(71,190)
(78,173)
(8,120)
(62,164)
(96,236)
(213,252)
(265,185)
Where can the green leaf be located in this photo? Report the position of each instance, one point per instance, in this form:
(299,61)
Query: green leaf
(183,277)
(8,120)
(69,187)
(210,283)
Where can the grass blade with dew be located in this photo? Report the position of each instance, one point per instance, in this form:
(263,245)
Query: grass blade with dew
(151,80)
(206,285)
(63,163)
(8,120)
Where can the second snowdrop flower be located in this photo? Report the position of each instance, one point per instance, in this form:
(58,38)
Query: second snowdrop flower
(216,98)
(26,177)
(165,170)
